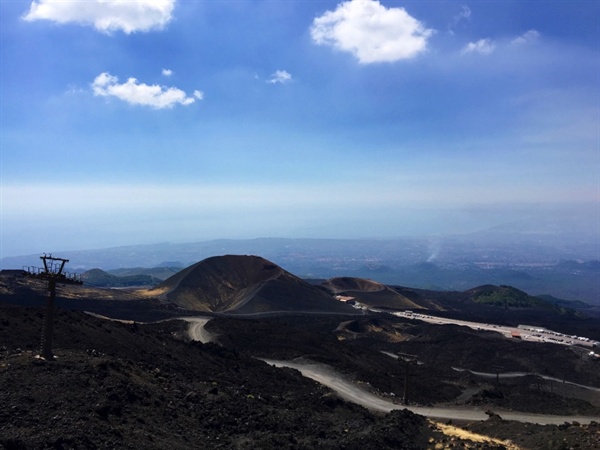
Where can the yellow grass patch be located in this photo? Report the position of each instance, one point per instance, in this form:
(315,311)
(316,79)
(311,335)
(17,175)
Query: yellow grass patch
(452,431)
(154,292)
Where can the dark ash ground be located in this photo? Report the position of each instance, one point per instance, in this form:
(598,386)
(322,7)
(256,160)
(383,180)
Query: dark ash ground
(134,385)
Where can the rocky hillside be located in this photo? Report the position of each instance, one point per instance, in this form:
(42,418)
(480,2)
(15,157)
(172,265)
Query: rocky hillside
(100,278)
(132,386)
(244,285)
(369,292)
(507,297)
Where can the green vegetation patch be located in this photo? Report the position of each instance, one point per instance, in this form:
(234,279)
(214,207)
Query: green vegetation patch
(510,297)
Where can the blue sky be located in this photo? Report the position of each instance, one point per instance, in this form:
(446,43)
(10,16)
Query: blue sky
(137,122)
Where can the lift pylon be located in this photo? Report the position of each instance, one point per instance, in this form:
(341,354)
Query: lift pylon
(53,272)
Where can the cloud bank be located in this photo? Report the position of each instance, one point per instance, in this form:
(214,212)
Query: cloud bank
(106,16)
(135,93)
(371,32)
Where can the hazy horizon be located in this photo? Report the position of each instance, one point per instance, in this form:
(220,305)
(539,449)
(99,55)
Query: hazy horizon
(167,121)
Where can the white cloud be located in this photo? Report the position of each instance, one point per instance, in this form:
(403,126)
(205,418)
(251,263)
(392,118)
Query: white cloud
(167,72)
(528,36)
(106,16)
(371,32)
(483,46)
(488,46)
(280,76)
(136,93)
(464,14)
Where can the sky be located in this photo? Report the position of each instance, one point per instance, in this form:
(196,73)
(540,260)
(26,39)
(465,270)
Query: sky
(133,122)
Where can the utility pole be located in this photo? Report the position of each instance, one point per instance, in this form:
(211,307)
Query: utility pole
(53,272)
(498,369)
(408,360)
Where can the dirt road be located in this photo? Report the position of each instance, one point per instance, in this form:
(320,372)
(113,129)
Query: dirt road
(353,393)
(196,330)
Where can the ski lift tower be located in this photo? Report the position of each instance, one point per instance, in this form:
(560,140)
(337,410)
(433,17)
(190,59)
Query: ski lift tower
(408,360)
(53,272)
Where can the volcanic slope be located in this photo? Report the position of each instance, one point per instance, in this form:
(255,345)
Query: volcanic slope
(372,293)
(244,284)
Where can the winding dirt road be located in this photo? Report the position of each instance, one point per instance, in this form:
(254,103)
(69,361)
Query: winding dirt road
(349,391)
(196,330)
(353,393)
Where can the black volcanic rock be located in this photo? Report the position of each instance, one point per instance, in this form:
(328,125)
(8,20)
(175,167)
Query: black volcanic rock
(134,385)
(343,284)
(369,292)
(116,385)
(244,284)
